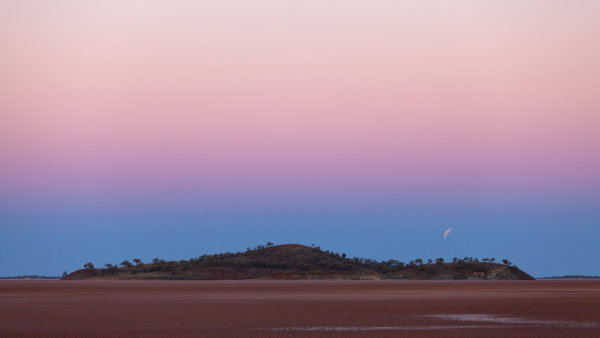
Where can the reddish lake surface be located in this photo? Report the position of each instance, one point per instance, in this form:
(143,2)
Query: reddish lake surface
(550,308)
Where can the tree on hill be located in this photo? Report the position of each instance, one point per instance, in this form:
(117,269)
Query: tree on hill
(506,262)
(126,264)
(429,261)
(269,244)
(439,260)
(137,261)
(418,261)
(111,268)
(155,260)
(89,266)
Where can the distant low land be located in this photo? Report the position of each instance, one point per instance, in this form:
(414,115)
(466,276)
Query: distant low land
(571,277)
(295,261)
(32,277)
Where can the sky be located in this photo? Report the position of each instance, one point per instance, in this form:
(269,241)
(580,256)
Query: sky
(176,128)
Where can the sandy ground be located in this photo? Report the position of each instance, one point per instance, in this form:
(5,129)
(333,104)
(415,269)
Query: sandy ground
(300,308)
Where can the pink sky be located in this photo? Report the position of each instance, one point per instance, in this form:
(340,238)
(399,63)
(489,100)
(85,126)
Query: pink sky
(110,96)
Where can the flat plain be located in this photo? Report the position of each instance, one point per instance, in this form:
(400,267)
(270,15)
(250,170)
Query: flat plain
(272,308)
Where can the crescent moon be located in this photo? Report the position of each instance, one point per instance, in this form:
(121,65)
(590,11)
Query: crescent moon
(447,232)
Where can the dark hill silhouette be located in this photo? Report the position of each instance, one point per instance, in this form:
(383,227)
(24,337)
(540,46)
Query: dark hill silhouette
(294,261)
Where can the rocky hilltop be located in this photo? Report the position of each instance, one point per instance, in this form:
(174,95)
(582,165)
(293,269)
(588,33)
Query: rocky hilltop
(294,261)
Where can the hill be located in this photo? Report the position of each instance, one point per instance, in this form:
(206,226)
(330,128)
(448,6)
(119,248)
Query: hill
(294,261)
